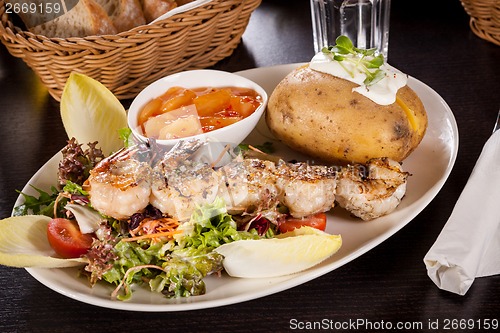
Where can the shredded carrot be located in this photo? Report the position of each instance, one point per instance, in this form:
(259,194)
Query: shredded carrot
(56,202)
(151,229)
(221,155)
(257,149)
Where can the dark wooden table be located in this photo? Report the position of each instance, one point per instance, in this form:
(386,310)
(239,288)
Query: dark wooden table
(430,40)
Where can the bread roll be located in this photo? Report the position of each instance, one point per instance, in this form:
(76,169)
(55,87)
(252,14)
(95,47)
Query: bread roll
(125,14)
(183,2)
(99,17)
(87,18)
(155,8)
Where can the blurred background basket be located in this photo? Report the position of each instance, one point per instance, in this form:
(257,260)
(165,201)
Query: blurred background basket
(129,61)
(484,18)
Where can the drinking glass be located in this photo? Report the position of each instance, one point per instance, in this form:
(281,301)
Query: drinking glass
(365,22)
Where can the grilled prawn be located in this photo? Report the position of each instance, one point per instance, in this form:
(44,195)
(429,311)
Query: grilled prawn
(248,185)
(373,190)
(180,184)
(120,185)
(306,189)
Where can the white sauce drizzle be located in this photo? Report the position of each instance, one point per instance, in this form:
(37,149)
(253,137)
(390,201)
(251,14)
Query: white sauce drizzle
(382,92)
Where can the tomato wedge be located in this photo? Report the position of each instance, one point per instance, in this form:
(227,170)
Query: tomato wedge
(66,238)
(317,221)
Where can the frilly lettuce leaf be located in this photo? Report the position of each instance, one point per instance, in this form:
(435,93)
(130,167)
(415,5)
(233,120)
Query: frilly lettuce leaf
(209,227)
(24,243)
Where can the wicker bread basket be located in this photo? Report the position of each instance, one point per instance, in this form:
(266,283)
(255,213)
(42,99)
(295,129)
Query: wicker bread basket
(129,61)
(484,18)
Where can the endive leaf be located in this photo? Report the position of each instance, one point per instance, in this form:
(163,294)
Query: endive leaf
(90,112)
(24,243)
(289,253)
(88,219)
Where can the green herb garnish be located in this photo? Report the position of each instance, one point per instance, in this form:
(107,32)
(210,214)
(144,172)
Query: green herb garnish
(364,60)
(266,147)
(73,188)
(41,205)
(125,135)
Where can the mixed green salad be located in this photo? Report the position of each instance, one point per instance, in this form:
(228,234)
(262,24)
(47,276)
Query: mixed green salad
(174,265)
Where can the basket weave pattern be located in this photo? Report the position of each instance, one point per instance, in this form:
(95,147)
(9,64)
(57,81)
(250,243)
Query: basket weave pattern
(127,62)
(484,18)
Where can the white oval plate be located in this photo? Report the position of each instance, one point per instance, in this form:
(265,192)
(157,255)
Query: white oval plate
(430,166)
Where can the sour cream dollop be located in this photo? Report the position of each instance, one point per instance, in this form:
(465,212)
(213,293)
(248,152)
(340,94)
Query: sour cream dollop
(382,92)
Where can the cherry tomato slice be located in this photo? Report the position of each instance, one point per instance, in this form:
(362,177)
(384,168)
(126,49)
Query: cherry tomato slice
(66,238)
(317,221)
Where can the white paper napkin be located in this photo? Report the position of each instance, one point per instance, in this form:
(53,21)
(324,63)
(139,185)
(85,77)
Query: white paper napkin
(469,244)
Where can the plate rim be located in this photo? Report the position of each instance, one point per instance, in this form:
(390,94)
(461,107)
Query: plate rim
(294,280)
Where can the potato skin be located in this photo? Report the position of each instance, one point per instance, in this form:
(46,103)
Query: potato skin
(319,115)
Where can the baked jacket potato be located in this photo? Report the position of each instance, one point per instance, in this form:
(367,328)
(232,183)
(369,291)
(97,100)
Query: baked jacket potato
(318,114)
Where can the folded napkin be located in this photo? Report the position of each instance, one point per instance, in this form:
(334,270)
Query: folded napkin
(469,244)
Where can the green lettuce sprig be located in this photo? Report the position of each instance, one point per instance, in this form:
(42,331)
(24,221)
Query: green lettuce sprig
(365,60)
(177,268)
(41,205)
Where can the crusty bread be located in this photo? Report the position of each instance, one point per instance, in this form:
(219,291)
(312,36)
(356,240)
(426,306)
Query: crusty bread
(183,2)
(102,17)
(125,14)
(87,18)
(155,8)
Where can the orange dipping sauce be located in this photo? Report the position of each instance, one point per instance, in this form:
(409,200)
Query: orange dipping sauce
(182,112)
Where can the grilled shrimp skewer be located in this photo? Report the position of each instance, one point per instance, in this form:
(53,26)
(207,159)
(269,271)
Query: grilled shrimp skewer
(180,184)
(120,185)
(373,190)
